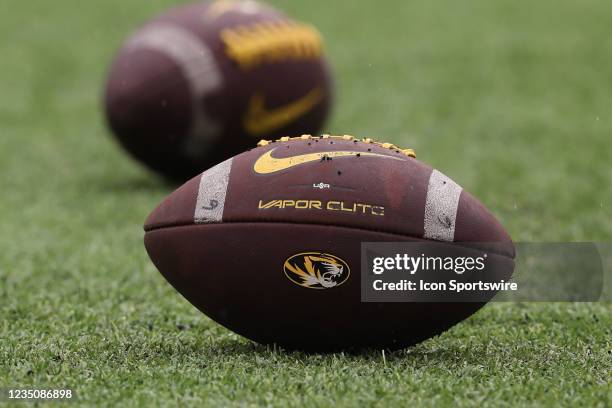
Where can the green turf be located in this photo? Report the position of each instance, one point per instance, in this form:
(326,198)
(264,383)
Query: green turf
(510,98)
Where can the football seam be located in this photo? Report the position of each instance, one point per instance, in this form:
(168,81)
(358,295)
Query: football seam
(456,243)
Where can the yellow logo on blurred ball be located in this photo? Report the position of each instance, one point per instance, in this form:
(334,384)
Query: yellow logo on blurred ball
(269,42)
(259,120)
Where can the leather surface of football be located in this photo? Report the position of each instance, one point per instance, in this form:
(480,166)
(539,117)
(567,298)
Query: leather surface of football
(236,239)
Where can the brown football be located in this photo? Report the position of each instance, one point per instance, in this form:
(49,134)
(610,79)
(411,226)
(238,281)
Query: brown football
(223,238)
(205,81)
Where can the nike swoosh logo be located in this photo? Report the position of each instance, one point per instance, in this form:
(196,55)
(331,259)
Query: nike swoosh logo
(267,164)
(258,120)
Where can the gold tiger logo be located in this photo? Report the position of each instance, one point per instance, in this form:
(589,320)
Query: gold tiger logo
(316,270)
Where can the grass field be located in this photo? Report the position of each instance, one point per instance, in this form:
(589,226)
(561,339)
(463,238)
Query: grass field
(512,99)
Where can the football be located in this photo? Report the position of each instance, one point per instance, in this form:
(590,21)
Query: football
(205,81)
(235,240)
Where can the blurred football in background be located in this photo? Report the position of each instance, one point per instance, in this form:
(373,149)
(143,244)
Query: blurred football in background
(205,81)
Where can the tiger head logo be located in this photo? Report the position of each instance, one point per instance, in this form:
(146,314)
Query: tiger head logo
(316,270)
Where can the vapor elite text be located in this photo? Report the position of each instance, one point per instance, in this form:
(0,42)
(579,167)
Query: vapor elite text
(354,208)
